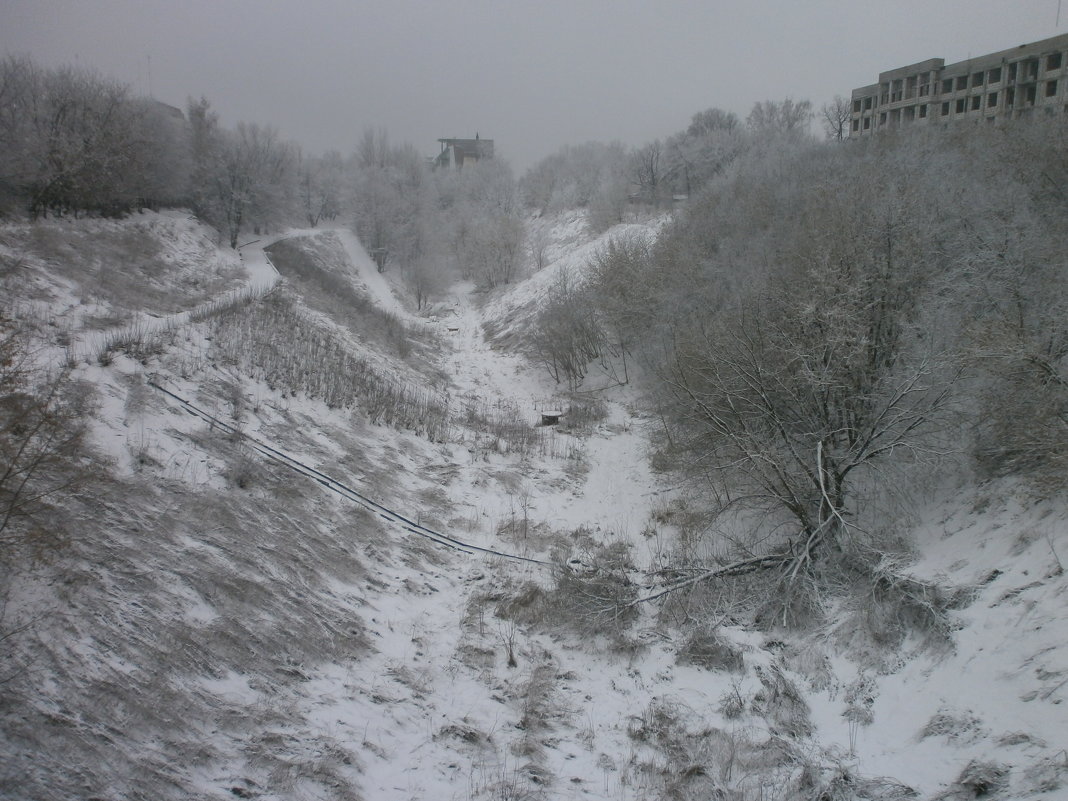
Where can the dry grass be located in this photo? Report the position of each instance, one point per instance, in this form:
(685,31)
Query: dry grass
(319,270)
(310,360)
(174,636)
(594,604)
(710,650)
(124,264)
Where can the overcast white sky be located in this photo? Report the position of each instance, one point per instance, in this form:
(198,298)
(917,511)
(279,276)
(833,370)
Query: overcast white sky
(531,75)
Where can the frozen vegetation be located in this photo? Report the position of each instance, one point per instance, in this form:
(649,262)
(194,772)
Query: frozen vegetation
(281,519)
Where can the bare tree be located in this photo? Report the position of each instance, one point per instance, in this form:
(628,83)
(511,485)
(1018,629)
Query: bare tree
(701,152)
(41,433)
(481,219)
(566,336)
(579,176)
(1012,298)
(650,171)
(835,117)
(319,186)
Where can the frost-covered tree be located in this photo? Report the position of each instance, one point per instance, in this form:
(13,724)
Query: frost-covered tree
(481,218)
(567,335)
(793,338)
(576,176)
(783,117)
(73,140)
(708,145)
(386,194)
(320,186)
(252,179)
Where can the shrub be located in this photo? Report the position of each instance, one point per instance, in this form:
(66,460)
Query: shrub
(711,651)
(781,703)
(42,431)
(593,603)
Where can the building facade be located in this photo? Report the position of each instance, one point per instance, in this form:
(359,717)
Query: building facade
(1003,85)
(458,152)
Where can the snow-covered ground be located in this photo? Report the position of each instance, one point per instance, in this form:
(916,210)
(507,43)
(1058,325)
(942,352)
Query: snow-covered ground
(309,649)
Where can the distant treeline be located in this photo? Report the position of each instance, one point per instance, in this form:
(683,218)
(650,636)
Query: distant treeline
(73,142)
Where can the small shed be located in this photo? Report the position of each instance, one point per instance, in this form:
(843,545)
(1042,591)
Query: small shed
(550,417)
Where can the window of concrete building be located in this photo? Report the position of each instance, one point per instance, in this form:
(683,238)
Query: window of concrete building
(867,123)
(923,111)
(977,79)
(1053,61)
(1012,71)
(1031,68)
(910,113)
(994,75)
(1010,96)
(947,85)
(882,118)
(977,102)
(867,104)
(856,125)
(1029,96)
(960,106)
(962,82)
(856,106)
(925,84)
(945,108)
(1051,88)
(992,99)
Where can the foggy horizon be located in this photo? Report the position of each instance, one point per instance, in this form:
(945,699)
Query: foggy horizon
(532,78)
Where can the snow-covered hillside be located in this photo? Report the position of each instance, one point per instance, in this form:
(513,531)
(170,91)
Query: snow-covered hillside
(323,550)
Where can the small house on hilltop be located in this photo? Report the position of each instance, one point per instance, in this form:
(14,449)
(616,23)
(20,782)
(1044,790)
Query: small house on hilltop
(461,152)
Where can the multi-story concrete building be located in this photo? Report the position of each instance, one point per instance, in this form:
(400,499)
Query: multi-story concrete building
(1003,85)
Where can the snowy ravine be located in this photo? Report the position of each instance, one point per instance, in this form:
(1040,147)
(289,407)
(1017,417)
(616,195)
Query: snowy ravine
(435,709)
(231,628)
(441,714)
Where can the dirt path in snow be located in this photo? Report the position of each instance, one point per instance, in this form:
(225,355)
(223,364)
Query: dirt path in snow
(479,371)
(615,495)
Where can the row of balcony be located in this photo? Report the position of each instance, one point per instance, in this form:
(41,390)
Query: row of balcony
(1019,72)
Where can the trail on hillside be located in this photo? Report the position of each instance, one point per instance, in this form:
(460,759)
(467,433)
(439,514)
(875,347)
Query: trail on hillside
(262,278)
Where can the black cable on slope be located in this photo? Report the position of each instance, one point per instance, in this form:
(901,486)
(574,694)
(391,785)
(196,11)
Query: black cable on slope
(347,492)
